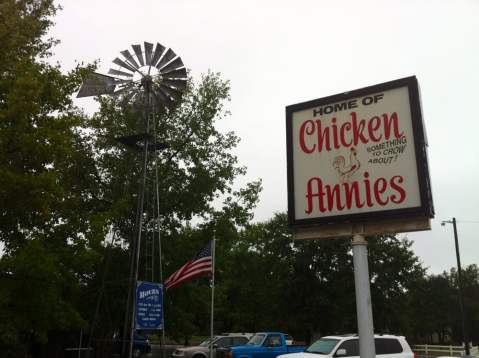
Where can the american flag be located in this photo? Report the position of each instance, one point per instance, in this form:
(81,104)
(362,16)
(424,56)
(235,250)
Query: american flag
(201,265)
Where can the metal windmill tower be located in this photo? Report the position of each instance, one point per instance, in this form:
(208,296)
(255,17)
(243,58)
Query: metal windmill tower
(151,80)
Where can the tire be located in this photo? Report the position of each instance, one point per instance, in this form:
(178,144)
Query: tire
(136,353)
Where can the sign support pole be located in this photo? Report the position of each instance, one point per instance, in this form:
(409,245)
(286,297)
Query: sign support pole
(363,297)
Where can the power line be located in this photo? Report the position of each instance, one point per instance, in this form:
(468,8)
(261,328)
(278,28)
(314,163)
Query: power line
(463,221)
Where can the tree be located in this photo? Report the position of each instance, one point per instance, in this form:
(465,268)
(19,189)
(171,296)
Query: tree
(470,277)
(307,287)
(49,219)
(395,271)
(437,307)
(431,301)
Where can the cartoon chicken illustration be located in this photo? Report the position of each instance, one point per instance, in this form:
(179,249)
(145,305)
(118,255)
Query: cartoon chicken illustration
(346,171)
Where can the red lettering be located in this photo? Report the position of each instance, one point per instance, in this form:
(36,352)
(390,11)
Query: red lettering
(388,123)
(358,130)
(373,125)
(323,136)
(380,187)
(395,184)
(348,133)
(345,127)
(367,187)
(317,194)
(306,128)
(331,194)
(350,189)
(322,197)
(335,134)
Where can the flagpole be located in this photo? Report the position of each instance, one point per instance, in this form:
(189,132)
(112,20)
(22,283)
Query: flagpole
(213,244)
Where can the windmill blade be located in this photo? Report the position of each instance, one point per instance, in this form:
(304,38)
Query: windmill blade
(139,55)
(176,63)
(119,73)
(148,51)
(172,92)
(130,58)
(158,52)
(169,55)
(124,89)
(96,84)
(179,84)
(120,81)
(179,73)
(124,64)
(168,83)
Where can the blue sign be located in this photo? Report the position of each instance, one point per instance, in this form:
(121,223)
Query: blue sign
(149,306)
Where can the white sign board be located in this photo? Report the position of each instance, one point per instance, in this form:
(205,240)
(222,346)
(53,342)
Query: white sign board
(358,156)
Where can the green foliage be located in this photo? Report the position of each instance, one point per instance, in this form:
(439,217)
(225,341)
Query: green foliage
(48,220)
(266,281)
(23,25)
(394,271)
(436,306)
(39,292)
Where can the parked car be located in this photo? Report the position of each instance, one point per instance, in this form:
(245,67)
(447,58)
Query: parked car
(289,340)
(264,345)
(222,341)
(141,344)
(387,346)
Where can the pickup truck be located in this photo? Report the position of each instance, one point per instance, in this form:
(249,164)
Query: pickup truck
(264,345)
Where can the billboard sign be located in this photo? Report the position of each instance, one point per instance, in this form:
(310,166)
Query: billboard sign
(149,306)
(358,156)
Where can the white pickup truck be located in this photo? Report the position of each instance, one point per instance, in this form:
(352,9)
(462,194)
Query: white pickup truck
(387,346)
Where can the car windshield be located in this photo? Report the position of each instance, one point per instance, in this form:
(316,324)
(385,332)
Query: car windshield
(322,346)
(256,340)
(206,343)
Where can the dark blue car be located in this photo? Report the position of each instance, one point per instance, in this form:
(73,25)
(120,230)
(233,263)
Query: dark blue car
(141,345)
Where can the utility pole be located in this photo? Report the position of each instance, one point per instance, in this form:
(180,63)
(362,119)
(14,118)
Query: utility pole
(459,283)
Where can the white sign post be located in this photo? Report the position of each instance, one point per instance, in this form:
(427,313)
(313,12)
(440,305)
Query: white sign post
(357,165)
(364,306)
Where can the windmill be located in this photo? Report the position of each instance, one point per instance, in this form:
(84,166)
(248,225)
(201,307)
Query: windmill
(160,73)
(150,80)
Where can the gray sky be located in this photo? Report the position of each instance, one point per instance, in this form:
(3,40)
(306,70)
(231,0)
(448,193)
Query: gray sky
(277,53)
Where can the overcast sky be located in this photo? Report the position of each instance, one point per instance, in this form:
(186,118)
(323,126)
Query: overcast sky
(277,53)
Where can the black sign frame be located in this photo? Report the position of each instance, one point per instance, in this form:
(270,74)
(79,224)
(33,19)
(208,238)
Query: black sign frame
(426,209)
